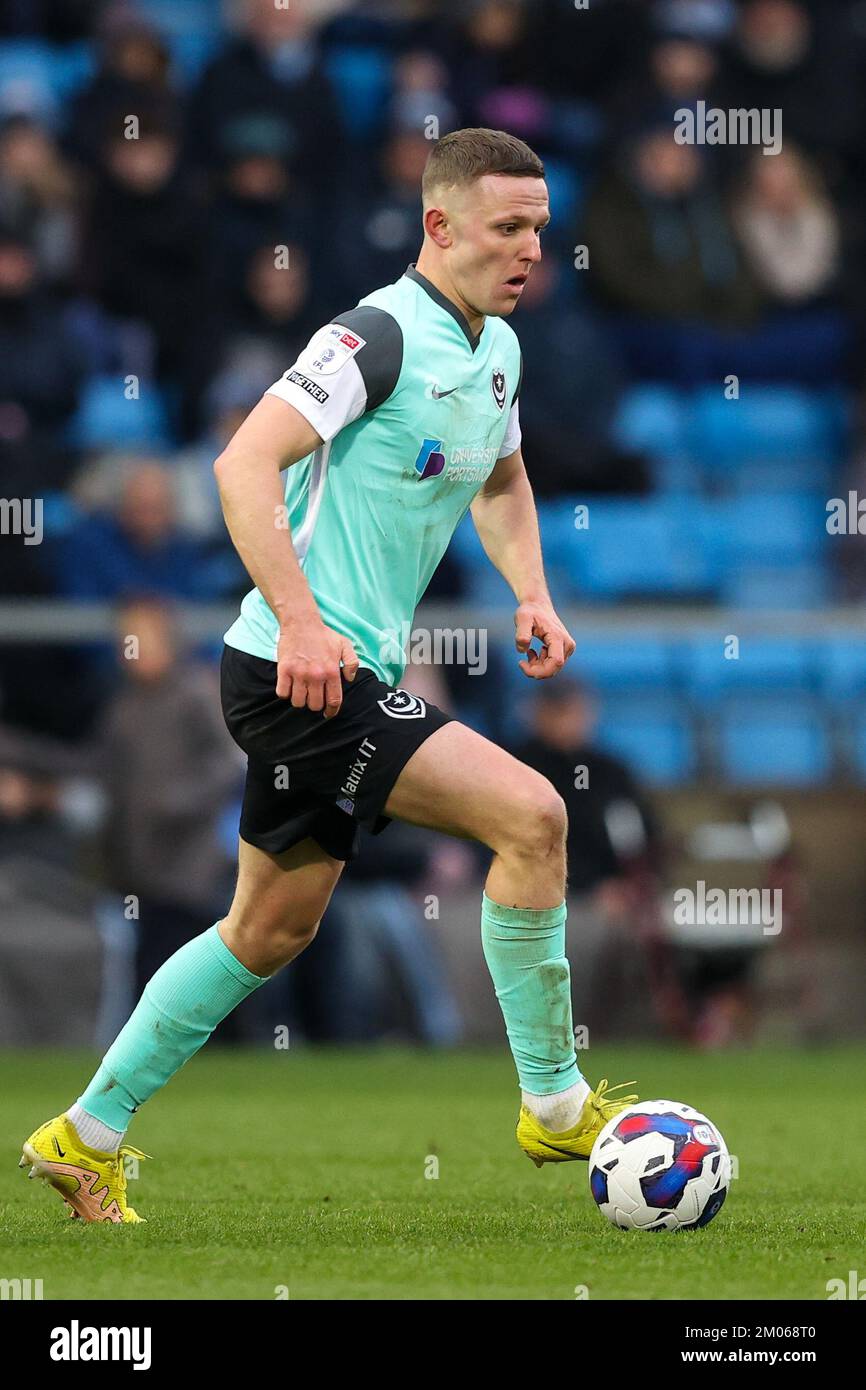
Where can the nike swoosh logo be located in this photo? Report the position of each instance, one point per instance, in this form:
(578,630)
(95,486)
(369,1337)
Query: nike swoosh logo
(62,1152)
(437,394)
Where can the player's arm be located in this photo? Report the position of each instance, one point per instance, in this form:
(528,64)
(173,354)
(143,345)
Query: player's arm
(249,475)
(349,366)
(507,524)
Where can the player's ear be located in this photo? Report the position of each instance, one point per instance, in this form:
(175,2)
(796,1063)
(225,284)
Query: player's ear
(436,226)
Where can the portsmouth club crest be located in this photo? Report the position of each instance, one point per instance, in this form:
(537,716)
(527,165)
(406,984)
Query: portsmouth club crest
(498,385)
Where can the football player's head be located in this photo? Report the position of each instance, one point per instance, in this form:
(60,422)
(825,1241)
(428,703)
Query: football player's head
(485,204)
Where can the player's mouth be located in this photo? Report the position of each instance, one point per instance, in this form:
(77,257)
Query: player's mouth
(517,282)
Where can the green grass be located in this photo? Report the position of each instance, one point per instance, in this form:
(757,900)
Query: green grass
(306,1169)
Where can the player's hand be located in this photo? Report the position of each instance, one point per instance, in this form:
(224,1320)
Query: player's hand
(308,665)
(538,619)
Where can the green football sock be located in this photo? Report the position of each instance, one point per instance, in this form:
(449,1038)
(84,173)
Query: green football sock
(525,953)
(181,1006)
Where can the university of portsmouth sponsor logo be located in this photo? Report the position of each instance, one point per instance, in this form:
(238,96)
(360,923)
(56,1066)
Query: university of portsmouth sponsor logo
(497,384)
(349,789)
(331,349)
(310,387)
(400,704)
(431,460)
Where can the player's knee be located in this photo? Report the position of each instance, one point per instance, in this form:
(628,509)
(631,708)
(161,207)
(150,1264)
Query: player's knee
(277,936)
(540,821)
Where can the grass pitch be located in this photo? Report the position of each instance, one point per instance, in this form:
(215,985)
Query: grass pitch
(304,1174)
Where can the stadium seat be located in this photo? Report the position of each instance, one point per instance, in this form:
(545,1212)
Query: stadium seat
(654,736)
(767,422)
(37,78)
(651,419)
(841,669)
(641,547)
(781,665)
(106,419)
(361,76)
(773,742)
(785,586)
(623,661)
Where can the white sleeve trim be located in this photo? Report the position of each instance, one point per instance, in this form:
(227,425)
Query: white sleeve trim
(328,399)
(512,434)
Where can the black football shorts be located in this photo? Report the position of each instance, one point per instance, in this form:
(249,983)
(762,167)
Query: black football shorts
(311,776)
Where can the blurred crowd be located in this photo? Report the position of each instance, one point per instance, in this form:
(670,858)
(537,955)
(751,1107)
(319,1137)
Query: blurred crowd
(171,232)
(187,191)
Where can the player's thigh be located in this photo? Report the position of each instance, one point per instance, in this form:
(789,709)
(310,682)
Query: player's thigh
(283,891)
(461,783)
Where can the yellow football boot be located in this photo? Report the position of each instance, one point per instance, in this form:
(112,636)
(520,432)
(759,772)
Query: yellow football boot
(543,1146)
(91,1183)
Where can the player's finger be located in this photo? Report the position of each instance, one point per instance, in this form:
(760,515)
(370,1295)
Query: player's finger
(316,678)
(523,631)
(333,695)
(300,692)
(284,682)
(349,658)
(556,652)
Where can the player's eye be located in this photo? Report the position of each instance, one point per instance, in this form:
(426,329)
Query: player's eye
(507,227)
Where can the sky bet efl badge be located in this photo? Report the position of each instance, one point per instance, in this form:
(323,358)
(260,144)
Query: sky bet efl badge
(498,384)
(331,349)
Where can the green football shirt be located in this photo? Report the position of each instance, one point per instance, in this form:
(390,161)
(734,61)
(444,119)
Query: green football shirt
(413,410)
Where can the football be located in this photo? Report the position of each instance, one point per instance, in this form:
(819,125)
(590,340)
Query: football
(659,1166)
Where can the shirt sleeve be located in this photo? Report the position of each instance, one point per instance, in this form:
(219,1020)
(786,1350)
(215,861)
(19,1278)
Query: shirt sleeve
(512,433)
(348,367)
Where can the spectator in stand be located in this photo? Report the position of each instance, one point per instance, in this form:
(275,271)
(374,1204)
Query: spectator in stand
(375,244)
(228,401)
(40,372)
(275,312)
(143,243)
(135,546)
(614,850)
(39,196)
(805,63)
(169,770)
(133,74)
(257,203)
(789,229)
(660,240)
(681,68)
(271,68)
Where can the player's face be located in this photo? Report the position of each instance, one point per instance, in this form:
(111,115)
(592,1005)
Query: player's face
(496,226)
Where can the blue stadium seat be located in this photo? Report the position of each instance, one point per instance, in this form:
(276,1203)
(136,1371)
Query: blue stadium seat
(563,189)
(641,547)
(652,420)
(782,665)
(623,661)
(780,742)
(361,76)
(38,77)
(785,586)
(767,422)
(106,419)
(654,736)
(841,668)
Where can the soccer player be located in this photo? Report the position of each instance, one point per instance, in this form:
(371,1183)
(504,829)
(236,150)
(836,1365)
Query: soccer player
(341,491)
